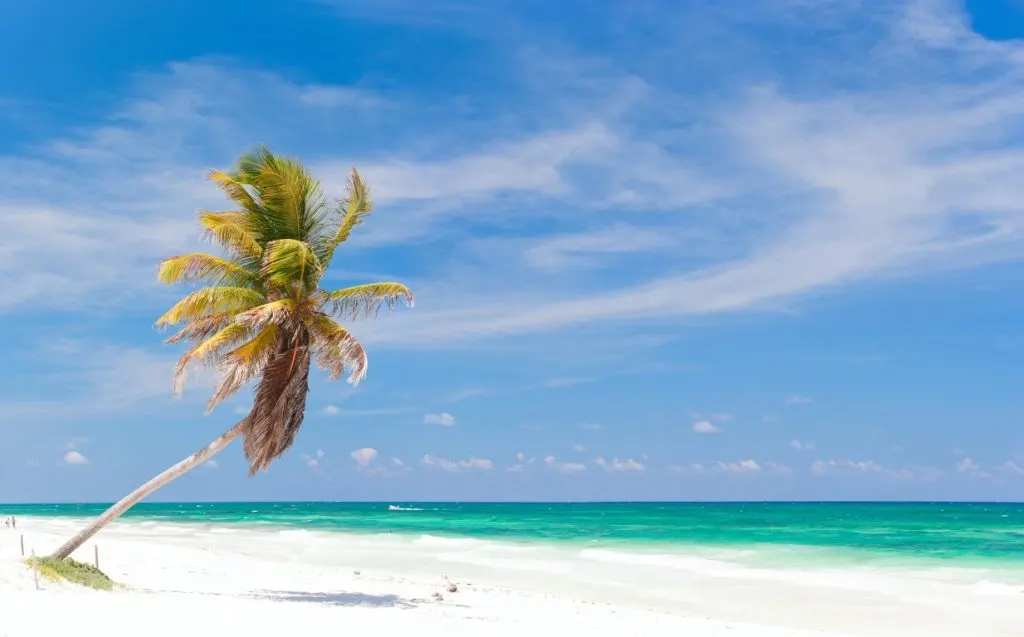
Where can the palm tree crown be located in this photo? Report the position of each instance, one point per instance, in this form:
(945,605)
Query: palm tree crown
(263,314)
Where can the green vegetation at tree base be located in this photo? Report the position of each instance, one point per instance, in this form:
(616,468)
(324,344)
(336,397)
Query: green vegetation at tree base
(72,571)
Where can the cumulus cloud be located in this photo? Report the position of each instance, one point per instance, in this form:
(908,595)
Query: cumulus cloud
(443,419)
(75,458)
(801,446)
(620,465)
(364,456)
(705,427)
(579,448)
(564,467)
(455,466)
(332,410)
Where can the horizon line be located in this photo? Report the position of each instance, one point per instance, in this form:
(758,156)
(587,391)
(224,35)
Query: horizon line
(393,502)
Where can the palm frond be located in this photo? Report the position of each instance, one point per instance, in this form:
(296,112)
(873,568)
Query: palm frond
(278,408)
(208,301)
(357,205)
(206,351)
(244,363)
(229,230)
(199,267)
(336,349)
(201,329)
(289,262)
(235,189)
(364,301)
(291,200)
(281,312)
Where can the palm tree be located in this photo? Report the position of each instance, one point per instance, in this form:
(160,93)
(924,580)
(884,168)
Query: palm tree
(263,314)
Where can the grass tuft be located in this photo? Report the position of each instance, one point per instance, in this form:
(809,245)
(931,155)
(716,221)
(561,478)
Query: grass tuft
(72,571)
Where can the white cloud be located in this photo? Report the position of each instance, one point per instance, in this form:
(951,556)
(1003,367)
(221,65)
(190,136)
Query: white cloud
(112,379)
(364,456)
(332,410)
(617,465)
(453,466)
(74,457)
(579,448)
(778,468)
(847,180)
(723,467)
(870,467)
(705,427)
(314,462)
(1013,468)
(592,426)
(211,464)
(398,464)
(564,467)
(443,419)
(966,465)
(971,468)
(579,250)
(740,466)
(798,400)
(801,446)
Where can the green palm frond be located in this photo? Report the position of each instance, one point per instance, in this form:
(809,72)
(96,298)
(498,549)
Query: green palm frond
(364,301)
(229,230)
(356,206)
(236,191)
(200,267)
(205,302)
(288,263)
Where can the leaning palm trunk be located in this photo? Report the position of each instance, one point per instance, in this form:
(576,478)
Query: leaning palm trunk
(143,491)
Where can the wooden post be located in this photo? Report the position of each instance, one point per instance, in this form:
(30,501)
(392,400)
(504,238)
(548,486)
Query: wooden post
(23,546)
(96,555)
(35,569)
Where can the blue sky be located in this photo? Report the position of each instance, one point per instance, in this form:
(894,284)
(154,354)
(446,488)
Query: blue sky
(661,250)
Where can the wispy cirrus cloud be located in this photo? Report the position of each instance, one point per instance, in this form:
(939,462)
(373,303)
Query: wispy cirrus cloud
(834,179)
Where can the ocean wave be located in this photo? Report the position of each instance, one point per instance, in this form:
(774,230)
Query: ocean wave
(395,507)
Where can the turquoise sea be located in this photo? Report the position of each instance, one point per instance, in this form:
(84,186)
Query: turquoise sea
(957,534)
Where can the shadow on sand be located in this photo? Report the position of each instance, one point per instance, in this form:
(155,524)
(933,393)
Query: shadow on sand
(336,599)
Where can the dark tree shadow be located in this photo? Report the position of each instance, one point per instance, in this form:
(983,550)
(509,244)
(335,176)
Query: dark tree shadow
(336,599)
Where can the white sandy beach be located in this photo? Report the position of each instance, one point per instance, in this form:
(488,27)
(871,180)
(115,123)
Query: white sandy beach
(195,580)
